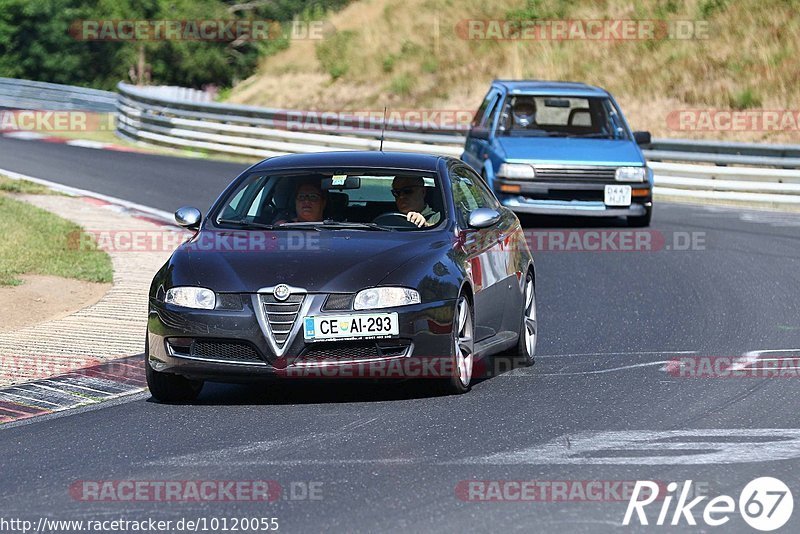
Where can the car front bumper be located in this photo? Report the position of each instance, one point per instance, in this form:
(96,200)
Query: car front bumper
(235,346)
(570,198)
(577,208)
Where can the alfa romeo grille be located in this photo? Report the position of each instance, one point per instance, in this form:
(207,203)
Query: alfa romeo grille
(281,315)
(561,174)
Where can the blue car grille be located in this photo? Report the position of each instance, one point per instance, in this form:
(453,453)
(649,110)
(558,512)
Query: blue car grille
(572,174)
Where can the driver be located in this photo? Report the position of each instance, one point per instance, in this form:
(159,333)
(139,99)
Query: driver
(409,194)
(523,111)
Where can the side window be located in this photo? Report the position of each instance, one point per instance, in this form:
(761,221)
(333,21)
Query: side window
(482,109)
(469,193)
(489,117)
(481,115)
(482,191)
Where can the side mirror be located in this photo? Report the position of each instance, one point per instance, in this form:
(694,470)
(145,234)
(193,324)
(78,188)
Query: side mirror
(188,217)
(479,133)
(642,138)
(483,218)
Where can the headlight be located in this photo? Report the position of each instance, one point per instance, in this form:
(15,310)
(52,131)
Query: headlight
(516,171)
(630,174)
(385,297)
(191,297)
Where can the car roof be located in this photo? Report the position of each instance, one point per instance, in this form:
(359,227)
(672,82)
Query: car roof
(346,158)
(545,87)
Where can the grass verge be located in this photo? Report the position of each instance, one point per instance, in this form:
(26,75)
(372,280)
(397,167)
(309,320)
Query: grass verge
(36,241)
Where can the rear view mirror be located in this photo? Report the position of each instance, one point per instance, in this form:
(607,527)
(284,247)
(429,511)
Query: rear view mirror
(556,103)
(341,181)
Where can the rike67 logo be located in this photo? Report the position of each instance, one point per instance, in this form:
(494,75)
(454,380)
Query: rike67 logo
(765,504)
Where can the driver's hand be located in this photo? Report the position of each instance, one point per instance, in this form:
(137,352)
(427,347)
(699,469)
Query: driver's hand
(416,218)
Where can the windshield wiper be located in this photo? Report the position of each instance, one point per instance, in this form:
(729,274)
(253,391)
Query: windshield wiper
(337,224)
(596,134)
(246,224)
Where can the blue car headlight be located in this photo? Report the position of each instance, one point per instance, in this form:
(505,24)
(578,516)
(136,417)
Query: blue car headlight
(385,297)
(516,171)
(198,298)
(631,174)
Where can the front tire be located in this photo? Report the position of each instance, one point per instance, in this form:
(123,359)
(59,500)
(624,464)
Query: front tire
(168,387)
(529,330)
(464,348)
(642,221)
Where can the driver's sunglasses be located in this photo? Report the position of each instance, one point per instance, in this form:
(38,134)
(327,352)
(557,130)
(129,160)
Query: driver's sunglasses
(405,191)
(312,197)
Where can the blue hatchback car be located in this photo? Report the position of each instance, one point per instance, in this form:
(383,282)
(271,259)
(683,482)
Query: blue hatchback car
(560,148)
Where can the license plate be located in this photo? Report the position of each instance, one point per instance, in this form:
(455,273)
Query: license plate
(358,326)
(617,195)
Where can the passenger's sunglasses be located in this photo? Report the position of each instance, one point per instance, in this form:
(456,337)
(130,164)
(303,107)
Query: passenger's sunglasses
(404,191)
(312,197)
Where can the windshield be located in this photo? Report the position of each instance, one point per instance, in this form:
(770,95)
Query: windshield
(335,199)
(557,116)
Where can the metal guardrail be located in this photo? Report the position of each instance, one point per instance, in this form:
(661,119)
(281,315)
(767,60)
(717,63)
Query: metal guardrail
(698,169)
(167,117)
(27,94)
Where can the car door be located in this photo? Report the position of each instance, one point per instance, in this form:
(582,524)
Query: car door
(476,146)
(508,263)
(484,253)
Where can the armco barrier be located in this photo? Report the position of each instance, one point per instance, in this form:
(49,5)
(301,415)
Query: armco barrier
(26,94)
(179,118)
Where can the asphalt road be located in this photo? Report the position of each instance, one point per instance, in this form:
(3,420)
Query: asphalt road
(598,405)
(161,182)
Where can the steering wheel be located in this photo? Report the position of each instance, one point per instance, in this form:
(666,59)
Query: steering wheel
(394,219)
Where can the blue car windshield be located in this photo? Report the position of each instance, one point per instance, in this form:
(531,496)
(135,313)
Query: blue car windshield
(558,116)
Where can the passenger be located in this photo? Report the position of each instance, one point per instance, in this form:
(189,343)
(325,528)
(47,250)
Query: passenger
(309,203)
(409,194)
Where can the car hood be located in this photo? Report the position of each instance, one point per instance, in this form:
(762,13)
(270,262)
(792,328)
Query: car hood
(326,261)
(570,150)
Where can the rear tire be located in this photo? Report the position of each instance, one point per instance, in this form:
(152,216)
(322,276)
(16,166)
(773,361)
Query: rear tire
(168,387)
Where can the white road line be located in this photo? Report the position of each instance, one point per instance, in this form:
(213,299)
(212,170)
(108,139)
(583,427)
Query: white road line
(63,392)
(632,353)
(5,392)
(71,384)
(521,372)
(74,191)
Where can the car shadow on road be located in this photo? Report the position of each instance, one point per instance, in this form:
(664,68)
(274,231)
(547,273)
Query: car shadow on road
(338,391)
(316,391)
